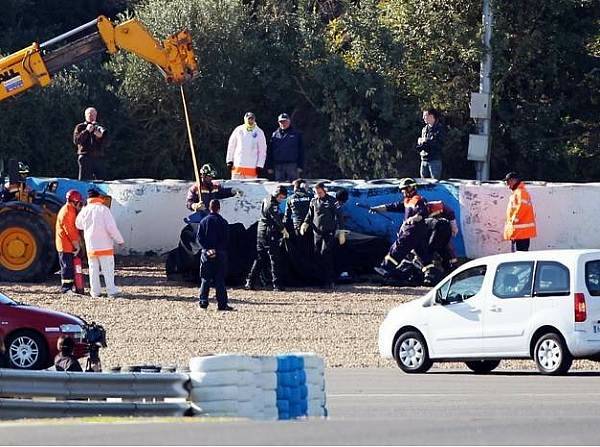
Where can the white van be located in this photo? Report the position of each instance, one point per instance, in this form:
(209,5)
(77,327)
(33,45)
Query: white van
(543,305)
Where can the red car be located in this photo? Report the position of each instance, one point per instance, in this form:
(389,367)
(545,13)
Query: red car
(30,334)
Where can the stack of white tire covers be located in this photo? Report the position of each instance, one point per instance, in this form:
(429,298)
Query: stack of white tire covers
(258,387)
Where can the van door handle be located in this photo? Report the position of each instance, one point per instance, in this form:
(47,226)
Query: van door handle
(495,309)
(474,310)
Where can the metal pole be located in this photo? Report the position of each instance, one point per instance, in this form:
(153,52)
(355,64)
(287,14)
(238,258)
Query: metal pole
(485,86)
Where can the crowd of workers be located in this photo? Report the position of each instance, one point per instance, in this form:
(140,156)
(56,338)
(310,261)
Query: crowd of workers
(314,222)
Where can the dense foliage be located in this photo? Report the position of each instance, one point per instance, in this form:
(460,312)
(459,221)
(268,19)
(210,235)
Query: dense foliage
(354,75)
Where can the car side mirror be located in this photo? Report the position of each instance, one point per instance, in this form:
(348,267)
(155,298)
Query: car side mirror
(439,298)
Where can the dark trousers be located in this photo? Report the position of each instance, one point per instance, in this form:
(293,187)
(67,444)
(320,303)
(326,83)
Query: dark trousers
(67,270)
(212,271)
(268,252)
(86,167)
(520,245)
(440,240)
(91,168)
(324,247)
(404,244)
(286,172)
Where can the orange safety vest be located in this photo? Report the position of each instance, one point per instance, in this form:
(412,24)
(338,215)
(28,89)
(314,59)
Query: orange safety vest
(66,231)
(520,217)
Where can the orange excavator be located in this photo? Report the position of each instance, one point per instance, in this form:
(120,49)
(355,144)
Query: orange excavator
(27,218)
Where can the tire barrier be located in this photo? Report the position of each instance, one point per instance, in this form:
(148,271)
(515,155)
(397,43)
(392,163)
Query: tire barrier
(284,387)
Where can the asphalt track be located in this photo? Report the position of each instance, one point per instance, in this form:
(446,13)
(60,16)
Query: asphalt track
(383,406)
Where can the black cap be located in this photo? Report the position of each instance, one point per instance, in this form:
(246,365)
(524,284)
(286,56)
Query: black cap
(283,117)
(512,175)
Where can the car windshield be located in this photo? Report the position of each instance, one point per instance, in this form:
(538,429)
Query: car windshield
(5,300)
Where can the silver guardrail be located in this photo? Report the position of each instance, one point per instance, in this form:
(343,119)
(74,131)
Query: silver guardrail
(76,385)
(54,392)
(29,409)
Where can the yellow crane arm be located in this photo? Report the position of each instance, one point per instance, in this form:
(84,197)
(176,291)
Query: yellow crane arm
(35,65)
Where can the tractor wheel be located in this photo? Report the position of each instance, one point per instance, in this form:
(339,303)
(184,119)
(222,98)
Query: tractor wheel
(26,247)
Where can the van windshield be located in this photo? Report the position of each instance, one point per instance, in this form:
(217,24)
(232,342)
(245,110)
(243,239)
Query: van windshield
(592,277)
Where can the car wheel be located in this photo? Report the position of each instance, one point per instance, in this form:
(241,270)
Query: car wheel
(411,354)
(551,355)
(482,366)
(26,350)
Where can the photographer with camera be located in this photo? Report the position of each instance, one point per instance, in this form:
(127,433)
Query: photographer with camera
(90,139)
(65,360)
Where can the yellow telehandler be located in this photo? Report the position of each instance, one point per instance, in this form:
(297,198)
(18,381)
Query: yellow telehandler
(27,218)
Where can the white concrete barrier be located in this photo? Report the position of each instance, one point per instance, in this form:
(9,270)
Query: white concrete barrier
(566,215)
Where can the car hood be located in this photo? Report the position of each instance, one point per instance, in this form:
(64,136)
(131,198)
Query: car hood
(58,317)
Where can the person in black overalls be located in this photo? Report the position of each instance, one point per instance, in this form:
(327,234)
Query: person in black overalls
(268,240)
(412,234)
(324,218)
(213,237)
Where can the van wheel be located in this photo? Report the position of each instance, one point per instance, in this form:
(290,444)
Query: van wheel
(551,355)
(411,354)
(482,366)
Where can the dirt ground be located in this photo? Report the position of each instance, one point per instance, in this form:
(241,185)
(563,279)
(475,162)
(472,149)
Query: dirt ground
(158,322)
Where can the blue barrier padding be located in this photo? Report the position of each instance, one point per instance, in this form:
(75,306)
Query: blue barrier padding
(358,219)
(65,184)
(283,405)
(291,387)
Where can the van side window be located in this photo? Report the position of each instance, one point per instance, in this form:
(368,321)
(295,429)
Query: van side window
(551,279)
(592,277)
(513,280)
(466,284)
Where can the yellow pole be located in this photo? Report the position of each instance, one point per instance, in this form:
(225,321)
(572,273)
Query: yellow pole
(189,131)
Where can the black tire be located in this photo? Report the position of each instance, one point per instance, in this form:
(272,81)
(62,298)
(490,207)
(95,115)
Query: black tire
(26,350)
(482,366)
(551,355)
(38,231)
(411,353)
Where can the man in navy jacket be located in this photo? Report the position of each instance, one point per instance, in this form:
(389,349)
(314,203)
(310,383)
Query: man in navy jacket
(213,237)
(286,151)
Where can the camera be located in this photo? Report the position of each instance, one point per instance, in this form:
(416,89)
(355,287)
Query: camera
(95,338)
(95,335)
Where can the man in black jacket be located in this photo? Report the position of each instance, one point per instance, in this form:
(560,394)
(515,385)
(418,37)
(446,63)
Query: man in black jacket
(325,220)
(430,145)
(268,240)
(286,151)
(297,206)
(90,139)
(213,237)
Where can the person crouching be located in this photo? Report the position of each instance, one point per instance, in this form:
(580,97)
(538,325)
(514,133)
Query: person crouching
(99,232)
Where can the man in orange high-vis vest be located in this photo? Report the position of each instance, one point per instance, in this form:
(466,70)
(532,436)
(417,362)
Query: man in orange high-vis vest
(520,217)
(246,150)
(67,239)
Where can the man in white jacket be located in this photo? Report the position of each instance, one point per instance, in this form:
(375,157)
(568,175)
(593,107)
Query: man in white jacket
(247,149)
(99,231)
